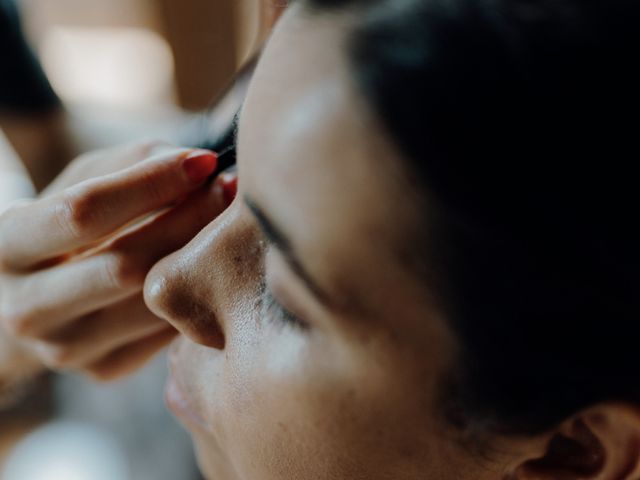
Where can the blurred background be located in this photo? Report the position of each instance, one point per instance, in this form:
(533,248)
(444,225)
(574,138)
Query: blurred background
(124,69)
(140,53)
(150,59)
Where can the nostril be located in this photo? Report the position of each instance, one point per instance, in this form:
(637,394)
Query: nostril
(195,319)
(176,303)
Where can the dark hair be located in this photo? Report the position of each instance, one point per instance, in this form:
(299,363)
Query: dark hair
(520,119)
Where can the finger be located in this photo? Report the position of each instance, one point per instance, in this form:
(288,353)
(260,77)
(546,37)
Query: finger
(130,358)
(38,304)
(175,228)
(36,231)
(95,336)
(104,162)
(45,301)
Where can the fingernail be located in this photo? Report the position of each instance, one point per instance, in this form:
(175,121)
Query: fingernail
(229,187)
(199,164)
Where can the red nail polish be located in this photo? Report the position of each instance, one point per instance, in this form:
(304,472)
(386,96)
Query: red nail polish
(229,187)
(199,164)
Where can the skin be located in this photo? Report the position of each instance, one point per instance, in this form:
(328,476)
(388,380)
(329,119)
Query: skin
(71,296)
(348,385)
(337,397)
(89,341)
(42,142)
(352,387)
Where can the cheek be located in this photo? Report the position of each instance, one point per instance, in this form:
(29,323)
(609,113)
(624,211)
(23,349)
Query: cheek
(293,405)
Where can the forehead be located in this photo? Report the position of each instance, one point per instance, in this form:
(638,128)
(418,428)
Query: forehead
(316,160)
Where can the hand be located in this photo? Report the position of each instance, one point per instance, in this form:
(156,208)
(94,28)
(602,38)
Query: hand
(16,364)
(73,262)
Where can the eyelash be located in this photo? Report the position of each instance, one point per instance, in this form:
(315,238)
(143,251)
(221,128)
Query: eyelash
(273,310)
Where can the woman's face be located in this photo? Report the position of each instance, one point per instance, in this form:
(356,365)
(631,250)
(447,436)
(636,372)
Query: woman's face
(309,349)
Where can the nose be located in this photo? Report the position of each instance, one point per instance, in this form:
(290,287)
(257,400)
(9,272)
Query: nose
(196,288)
(170,297)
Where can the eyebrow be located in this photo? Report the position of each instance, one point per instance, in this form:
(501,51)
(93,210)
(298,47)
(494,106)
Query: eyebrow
(277,238)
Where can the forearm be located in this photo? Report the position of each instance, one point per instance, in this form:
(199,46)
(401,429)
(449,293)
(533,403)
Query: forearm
(41,142)
(14,179)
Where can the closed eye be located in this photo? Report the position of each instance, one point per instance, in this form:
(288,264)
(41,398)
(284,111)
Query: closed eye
(274,311)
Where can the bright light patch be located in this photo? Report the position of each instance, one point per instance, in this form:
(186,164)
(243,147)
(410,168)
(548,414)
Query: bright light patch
(117,67)
(67,451)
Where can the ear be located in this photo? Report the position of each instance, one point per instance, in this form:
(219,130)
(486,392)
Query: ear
(601,443)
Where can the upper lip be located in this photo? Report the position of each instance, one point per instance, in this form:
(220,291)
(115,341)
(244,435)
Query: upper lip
(173,352)
(177,400)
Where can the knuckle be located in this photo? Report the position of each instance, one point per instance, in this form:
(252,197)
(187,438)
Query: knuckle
(122,272)
(18,322)
(78,212)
